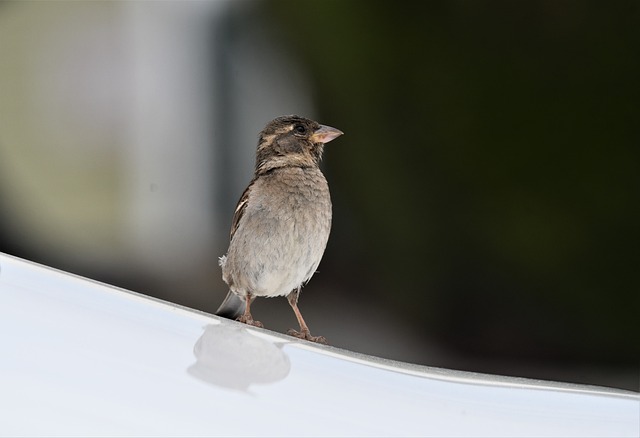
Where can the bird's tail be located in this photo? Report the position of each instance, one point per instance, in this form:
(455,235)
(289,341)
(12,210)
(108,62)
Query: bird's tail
(232,306)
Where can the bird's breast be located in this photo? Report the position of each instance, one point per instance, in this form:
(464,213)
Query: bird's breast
(283,233)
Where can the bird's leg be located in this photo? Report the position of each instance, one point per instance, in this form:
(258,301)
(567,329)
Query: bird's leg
(246,315)
(304,332)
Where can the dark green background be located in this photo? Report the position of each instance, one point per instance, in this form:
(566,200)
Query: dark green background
(488,185)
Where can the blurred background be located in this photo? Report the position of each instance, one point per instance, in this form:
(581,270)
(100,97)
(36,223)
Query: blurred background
(485,191)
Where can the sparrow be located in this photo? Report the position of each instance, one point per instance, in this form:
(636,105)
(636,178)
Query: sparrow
(282,222)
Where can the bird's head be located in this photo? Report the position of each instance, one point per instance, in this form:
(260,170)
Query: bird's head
(292,141)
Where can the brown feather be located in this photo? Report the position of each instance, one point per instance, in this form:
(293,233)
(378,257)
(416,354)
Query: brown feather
(240,208)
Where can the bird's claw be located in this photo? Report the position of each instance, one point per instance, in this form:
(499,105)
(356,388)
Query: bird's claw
(306,334)
(250,321)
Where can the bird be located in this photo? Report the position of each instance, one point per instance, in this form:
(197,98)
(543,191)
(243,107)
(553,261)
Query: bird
(281,223)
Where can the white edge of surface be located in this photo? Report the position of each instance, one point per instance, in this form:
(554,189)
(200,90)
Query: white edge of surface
(360,358)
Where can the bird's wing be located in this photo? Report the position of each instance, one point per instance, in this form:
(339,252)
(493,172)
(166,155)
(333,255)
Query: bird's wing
(240,208)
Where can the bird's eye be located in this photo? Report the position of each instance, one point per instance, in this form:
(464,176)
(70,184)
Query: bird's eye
(300,129)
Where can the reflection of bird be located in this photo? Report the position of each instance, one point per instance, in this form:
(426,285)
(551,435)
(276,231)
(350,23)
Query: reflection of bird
(281,224)
(221,358)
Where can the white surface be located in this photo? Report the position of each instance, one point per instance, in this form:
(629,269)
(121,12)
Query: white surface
(83,358)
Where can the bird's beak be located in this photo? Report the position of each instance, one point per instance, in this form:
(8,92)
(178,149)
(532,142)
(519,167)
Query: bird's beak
(325,134)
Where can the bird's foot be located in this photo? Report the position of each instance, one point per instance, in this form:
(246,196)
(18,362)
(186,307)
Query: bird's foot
(250,321)
(306,334)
